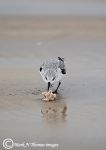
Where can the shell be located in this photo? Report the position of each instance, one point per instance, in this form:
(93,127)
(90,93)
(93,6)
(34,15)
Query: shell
(49,96)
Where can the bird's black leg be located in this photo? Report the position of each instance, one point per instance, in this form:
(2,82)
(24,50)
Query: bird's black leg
(57,88)
(48,86)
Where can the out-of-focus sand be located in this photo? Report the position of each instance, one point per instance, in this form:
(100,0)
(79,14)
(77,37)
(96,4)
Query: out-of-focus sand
(24,44)
(52,27)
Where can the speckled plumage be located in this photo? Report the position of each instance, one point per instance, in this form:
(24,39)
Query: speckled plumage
(53,70)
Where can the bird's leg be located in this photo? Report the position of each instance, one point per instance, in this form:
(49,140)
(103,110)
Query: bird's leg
(57,88)
(48,86)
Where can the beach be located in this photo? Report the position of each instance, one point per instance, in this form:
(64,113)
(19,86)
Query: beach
(76,120)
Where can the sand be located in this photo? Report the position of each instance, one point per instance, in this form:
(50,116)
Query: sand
(77,119)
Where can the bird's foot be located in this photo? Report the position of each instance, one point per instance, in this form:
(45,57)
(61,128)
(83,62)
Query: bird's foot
(55,92)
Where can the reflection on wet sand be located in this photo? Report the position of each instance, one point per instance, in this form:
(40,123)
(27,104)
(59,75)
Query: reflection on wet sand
(54,110)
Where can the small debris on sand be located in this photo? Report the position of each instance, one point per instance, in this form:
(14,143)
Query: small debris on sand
(49,96)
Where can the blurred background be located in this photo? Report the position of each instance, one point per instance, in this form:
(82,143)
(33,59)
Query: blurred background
(28,27)
(40,22)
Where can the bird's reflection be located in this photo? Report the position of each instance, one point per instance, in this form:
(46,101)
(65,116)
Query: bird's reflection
(54,110)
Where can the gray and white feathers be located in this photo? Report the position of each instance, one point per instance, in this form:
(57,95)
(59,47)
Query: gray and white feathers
(53,70)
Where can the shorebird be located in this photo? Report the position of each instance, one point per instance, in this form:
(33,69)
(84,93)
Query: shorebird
(52,72)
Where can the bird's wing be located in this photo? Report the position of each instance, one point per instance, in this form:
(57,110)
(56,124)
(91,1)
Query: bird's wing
(62,67)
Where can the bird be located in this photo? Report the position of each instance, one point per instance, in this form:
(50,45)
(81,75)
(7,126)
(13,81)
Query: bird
(52,71)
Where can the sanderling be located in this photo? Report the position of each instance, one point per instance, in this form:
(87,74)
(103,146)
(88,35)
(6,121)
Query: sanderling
(52,71)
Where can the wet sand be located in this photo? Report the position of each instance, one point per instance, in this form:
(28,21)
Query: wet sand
(77,119)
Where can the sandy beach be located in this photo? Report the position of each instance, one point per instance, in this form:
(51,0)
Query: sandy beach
(77,119)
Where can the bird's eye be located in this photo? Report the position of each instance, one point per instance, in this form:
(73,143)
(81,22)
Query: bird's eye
(53,79)
(46,78)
